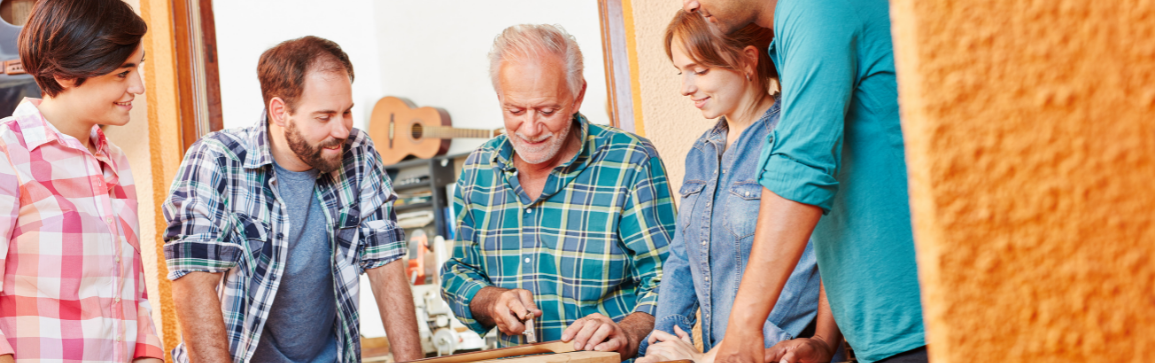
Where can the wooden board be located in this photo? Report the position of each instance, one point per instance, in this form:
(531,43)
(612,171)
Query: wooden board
(575,357)
(538,348)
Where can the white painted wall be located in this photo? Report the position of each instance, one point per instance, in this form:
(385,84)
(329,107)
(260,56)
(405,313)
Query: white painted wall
(245,29)
(433,52)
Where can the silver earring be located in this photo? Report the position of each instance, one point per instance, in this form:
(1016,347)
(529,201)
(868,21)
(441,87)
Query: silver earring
(747,77)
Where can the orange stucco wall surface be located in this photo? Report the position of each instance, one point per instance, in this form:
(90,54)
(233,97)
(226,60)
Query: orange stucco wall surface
(1030,129)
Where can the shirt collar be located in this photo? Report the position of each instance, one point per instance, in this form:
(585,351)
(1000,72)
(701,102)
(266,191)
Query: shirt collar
(261,154)
(38,131)
(717,134)
(504,155)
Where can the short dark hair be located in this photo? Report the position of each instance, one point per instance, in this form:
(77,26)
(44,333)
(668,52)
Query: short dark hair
(77,39)
(282,68)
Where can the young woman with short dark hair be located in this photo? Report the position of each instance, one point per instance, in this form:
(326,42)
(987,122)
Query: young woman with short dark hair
(73,285)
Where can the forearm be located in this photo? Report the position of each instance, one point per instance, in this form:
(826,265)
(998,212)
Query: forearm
(826,329)
(637,326)
(395,302)
(784,227)
(481,303)
(199,312)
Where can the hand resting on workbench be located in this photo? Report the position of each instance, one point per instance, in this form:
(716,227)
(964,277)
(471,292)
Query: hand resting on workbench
(599,332)
(667,347)
(507,309)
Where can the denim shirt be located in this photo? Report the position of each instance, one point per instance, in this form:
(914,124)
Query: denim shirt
(711,246)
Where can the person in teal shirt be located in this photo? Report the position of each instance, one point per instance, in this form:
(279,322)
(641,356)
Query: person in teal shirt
(834,169)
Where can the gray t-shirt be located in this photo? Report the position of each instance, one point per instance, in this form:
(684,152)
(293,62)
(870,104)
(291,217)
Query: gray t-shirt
(300,327)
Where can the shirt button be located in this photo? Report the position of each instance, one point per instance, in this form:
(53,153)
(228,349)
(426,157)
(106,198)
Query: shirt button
(529,210)
(707,278)
(747,194)
(108,220)
(703,243)
(527,260)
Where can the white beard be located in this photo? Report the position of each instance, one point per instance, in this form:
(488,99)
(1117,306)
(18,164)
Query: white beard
(545,152)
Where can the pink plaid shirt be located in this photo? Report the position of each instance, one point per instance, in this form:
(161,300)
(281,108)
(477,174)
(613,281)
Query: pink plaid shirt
(73,283)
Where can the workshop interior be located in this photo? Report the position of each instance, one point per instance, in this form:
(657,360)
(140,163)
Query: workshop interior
(1028,132)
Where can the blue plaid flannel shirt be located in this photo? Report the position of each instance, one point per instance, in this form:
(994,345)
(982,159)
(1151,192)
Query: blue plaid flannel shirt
(224,216)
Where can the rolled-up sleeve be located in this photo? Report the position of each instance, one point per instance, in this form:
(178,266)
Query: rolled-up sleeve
(647,224)
(199,236)
(817,64)
(383,240)
(463,275)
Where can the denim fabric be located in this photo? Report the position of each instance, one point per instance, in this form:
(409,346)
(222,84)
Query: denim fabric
(711,246)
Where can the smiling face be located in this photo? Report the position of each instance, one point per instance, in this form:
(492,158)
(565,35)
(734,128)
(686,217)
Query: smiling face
(715,91)
(538,107)
(107,98)
(727,15)
(318,129)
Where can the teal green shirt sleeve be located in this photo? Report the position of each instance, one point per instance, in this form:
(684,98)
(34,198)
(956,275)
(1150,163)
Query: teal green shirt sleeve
(815,56)
(646,227)
(462,276)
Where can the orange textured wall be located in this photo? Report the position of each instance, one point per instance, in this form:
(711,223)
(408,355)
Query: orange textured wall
(1030,130)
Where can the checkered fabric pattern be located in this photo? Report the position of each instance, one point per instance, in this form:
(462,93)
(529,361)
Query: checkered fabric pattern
(225,216)
(73,284)
(593,242)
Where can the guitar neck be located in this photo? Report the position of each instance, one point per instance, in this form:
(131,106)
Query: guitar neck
(446,132)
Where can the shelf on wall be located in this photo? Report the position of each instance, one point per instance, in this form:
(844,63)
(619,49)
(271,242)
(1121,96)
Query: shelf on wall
(410,186)
(408,207)
(437,172)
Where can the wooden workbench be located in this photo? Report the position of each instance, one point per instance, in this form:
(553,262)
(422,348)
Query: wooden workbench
(574,357)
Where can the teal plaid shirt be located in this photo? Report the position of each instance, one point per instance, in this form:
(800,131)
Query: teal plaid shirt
(593,242)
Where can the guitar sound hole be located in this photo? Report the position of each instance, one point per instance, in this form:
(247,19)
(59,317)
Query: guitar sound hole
(418,131)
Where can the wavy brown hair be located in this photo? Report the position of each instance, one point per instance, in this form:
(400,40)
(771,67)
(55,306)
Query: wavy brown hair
(709,47)
(282,68)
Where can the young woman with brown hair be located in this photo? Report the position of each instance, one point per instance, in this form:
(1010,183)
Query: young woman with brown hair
(730,78)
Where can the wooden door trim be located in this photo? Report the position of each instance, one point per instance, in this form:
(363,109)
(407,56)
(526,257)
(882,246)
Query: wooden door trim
(198,82)
(620,56)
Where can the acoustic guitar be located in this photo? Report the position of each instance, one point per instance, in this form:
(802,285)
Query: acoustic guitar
(400,129)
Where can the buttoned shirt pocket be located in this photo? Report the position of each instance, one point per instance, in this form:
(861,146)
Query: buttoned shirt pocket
(125,209)
(742,209)
(256,236)
(691,191)
(347,237)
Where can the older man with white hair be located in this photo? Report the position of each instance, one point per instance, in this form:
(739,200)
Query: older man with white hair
(562,224)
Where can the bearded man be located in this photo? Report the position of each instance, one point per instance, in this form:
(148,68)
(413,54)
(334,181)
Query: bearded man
(270,226)
(562,224)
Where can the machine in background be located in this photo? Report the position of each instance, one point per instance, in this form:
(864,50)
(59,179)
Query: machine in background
(15,84)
